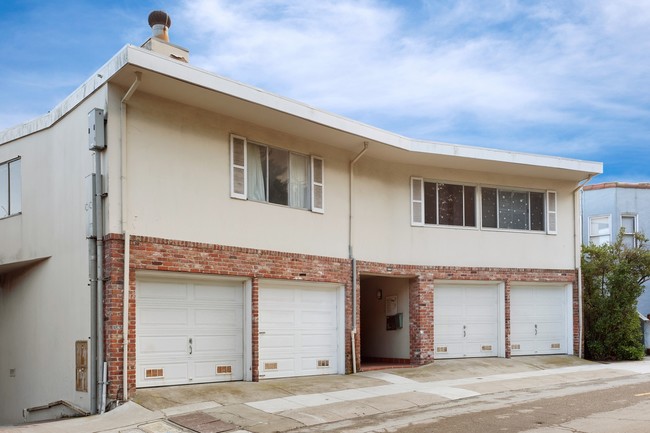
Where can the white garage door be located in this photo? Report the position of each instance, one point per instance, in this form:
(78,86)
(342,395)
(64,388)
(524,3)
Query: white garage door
(538,320)
(466,320)
(299,332)
(188,332)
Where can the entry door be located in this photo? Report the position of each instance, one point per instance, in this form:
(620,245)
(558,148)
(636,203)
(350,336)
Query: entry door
(466,321)
(298,327)
(538,320)
(189,332)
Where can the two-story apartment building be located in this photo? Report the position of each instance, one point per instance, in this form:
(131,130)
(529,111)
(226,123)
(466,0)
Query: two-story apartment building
(166,225)
(612,206)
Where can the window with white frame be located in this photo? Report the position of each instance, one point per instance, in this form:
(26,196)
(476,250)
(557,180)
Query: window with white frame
(273,175)
(10,188)
(600,229)
(628,224)
(446,204)
(518,210)
(438,203)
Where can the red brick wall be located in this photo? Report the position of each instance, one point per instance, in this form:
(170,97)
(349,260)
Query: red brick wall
(147,253)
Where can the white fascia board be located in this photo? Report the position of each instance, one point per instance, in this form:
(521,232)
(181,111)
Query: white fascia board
(152,61)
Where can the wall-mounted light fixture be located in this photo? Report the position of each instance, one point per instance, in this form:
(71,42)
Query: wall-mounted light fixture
(380,294)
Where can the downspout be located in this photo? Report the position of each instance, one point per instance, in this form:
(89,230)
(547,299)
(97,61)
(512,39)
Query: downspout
(353,332)
(577,206)
(99,230)
(127,237)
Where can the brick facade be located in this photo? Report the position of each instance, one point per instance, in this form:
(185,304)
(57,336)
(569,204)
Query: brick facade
(155,254)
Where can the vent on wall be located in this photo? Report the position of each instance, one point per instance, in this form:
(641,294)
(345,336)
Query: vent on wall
(270,366)
(154,373)
(555,346)
(441,349)
(323,363)
(224,369)
(516,347)
(486,348)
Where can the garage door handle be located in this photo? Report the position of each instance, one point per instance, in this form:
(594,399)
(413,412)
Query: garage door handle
(464,330)
(535,328)
(262,332)
(190,345)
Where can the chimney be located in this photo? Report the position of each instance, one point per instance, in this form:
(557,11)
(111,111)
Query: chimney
(160,22)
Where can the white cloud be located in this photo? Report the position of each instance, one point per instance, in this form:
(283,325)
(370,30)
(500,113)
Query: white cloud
(460,69)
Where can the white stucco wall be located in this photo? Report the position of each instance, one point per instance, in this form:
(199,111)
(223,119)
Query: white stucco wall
(383,230)
(178,179)
(179,184)
(45,307)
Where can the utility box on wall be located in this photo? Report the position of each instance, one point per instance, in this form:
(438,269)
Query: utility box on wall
(81,366)
(394,322)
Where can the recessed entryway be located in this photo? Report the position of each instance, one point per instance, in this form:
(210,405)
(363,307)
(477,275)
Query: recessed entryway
(385,318)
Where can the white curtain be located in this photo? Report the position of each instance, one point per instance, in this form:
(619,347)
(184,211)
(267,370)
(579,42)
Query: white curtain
(255,176)
(298,178)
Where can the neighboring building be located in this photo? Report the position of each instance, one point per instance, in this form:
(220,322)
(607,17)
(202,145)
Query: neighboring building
(610,207)
(247,236)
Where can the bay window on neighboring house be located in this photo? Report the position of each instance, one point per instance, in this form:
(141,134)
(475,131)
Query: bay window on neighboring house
(273,175)
(441,203)
(600,229)
(10,188)
(628,224)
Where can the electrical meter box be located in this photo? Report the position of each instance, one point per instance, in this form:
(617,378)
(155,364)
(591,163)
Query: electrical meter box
(96,136)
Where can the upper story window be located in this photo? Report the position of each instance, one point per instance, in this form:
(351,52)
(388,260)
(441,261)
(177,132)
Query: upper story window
(600,229)
(512,209)
(445,203)
(628,223)
(273,175)
(10,188)
(455,205)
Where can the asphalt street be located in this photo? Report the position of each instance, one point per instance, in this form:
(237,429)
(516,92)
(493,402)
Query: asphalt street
(619,405)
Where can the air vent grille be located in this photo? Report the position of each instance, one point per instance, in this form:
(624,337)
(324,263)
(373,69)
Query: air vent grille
(224,369)
(154,373)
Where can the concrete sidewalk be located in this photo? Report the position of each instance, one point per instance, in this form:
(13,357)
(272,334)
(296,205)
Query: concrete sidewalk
(284,404)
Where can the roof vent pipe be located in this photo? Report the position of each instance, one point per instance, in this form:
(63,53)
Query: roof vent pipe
(160,22)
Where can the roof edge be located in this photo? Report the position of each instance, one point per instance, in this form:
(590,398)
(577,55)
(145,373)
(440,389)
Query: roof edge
(606,185)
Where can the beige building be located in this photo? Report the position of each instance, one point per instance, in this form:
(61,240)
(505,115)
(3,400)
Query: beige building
(166,225)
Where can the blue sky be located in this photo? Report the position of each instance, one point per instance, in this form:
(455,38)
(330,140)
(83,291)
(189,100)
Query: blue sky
(568,78)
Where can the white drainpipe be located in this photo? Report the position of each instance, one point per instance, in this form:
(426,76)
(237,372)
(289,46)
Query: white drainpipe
(127,237)
(353,332)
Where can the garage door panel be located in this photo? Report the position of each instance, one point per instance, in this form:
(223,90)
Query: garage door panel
(223,318)
(170,291)
(191,328)
(217,344)
(318,319)
(466,320)
(207,371)
(539,324)
(223,293)
(173,373)
(162,317)
(163,345)
(298,327)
